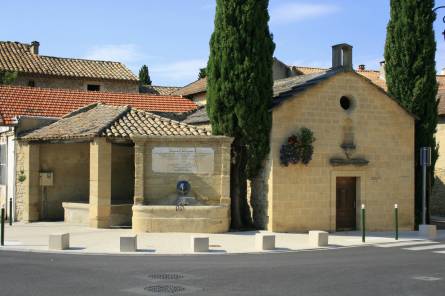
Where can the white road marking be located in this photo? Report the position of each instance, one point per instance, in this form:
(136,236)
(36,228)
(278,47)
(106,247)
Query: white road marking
(427,278)
(405,244)
(431,247)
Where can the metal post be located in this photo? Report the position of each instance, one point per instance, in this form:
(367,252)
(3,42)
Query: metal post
(396,220)
(424,194)
(425,161)
(363,223)
(10,211)
(2,226)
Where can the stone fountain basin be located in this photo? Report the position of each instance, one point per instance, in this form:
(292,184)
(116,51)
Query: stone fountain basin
(192,219)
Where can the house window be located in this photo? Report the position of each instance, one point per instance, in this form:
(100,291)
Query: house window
(93,87)
(2,164)
(31,83)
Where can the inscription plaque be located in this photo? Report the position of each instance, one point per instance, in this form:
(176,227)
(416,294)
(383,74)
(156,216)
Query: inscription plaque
(182,160)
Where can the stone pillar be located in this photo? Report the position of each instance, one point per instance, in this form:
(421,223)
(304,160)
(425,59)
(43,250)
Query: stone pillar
(31,186)
(100,183)
(139,163)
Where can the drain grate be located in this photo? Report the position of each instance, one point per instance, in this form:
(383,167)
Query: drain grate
(165,289)
(166,276)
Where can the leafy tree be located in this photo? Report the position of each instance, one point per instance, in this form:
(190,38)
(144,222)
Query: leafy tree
(411,75)
(7,77)
(144,76)
(202,73)
(240,92)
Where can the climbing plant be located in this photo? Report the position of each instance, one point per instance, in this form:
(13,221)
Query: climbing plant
(298,148)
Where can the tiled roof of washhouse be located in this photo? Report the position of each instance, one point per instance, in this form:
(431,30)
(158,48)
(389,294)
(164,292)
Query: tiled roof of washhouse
(17,101)
(99,120)
(16,56)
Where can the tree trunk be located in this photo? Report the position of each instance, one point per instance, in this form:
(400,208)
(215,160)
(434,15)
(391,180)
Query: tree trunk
(235,185)
(241,216)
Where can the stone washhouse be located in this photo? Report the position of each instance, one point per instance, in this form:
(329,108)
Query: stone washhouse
(103,166)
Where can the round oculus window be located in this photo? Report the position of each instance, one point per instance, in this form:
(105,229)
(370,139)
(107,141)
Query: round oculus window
(345,103)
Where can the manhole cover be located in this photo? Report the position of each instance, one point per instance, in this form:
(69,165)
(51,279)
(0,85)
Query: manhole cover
(166,276)
(164,289)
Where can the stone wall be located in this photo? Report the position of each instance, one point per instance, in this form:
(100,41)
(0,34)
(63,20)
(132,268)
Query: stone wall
(69,164)
(303,197)
(438,196)
(77,83)
(200,99)
(122,174)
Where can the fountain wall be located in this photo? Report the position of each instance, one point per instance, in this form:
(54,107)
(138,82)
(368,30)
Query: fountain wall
(160,163)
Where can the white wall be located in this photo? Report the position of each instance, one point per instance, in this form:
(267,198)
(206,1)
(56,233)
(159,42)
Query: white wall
(8,191)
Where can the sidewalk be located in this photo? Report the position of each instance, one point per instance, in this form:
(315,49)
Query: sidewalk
(83,240)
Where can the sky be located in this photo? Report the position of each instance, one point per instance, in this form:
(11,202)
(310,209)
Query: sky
(172,36)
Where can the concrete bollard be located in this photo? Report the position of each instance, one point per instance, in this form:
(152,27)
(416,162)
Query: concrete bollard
(428,231)
(128,243)
(200,244)
(318,238)
(264,242)
(59,241)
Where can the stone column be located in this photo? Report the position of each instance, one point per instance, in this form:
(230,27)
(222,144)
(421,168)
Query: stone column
(100,183)
(31,186)
(139,163)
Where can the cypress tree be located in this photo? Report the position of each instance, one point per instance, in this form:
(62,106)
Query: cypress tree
(411,75)
(239,91)
(144,76)
(202,73)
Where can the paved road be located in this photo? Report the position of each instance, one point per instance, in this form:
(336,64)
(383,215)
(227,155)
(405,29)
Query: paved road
(394,270)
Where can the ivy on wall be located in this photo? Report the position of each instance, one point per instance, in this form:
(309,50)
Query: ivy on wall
(298,148)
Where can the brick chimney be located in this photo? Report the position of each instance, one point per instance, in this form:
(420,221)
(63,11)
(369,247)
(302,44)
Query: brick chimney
(34,48)
(382,74)
(342,56)
(362,67)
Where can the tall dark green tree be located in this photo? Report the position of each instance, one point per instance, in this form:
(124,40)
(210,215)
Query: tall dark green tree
(411,74)
(144,76)
(239,91)
(202,73)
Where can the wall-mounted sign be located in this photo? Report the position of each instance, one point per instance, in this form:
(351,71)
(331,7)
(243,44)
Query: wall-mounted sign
(183,160)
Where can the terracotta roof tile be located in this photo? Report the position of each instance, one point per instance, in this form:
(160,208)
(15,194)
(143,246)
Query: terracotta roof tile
(15,56)
(16,101)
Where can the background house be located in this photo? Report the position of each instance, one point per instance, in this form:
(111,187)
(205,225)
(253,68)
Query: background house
(196,91)
(36,70)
